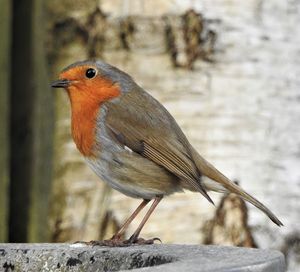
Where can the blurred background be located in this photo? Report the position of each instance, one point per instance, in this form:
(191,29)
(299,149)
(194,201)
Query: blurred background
(227,70)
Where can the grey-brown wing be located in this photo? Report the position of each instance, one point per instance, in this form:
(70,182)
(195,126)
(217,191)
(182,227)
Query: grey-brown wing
(148,129)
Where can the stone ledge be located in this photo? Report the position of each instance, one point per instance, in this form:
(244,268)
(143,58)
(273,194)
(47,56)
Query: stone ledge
(158,257)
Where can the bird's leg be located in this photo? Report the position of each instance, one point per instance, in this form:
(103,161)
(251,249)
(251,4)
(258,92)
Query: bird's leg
(116,239)
(120,232)
(134,238)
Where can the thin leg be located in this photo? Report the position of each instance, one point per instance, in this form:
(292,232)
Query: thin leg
(134,237)
(123,228)
(116,241)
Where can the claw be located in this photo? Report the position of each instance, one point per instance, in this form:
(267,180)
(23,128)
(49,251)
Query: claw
(98,243)
(141,241)
(157,239)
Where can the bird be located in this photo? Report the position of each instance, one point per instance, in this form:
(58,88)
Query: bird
(131,141)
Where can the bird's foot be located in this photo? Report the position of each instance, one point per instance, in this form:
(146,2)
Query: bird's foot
(118,242)
(141,241)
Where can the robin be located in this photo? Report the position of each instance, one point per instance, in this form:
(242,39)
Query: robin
(134,144)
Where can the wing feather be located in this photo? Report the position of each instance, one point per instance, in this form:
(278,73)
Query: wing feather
(153,134)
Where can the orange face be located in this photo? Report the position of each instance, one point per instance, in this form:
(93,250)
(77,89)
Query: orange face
(86,85)
(87,89)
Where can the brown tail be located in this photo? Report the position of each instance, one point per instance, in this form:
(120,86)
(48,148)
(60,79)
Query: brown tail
(211,172)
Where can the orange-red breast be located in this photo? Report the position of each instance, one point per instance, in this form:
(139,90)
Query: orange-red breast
(134,144)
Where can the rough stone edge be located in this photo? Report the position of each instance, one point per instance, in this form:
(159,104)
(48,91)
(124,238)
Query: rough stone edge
(183,257)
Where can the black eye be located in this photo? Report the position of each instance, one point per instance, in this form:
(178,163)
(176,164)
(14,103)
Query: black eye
(90,73)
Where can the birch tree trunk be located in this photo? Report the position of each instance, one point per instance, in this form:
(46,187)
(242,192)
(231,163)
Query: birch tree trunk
(79,206)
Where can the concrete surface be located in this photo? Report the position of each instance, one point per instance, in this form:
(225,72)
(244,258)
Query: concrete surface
(159,257)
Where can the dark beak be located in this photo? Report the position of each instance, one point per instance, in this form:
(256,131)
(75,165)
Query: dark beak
(61,83)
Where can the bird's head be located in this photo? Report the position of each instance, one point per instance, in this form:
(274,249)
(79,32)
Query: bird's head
(95,81)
